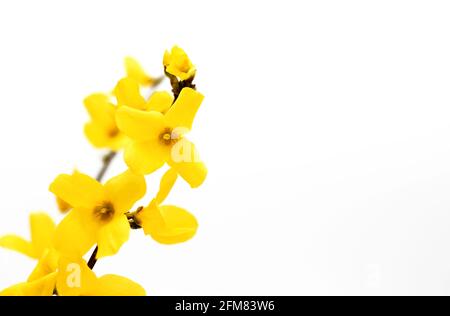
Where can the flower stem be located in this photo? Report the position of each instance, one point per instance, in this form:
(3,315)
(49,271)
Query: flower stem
(177,85)
(157,81)
(107,159)
(93,259)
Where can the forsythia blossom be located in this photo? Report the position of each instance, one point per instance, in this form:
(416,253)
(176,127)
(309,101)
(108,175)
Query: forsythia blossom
(167,224)
(74,278)
(152,133)
(135,71)
(177,63)
(159,138)
(42,230)
(102,130)
(98,214)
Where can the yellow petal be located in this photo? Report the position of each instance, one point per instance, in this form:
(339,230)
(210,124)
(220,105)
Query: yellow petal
(42,232)
(41,287)
(146,157)
(182,113)
(63,206)
(166,59)
(18,244)
(74,277)
(167,182)
(47,264)
(124,190)
(112,236)
(160,101)
(101,110)
(127,92)
(114,285)
(101,137)
(136,72)
(79,190)
(76,233)
(140,125)
(178,63)
(184,158)
(168,224)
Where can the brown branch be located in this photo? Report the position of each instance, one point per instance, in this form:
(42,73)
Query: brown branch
(178,85)
(93,259)
(157,81)
(107,159)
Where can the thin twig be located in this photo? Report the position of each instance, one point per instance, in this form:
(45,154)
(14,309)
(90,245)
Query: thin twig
(157,81)
(93,259)
(177,85)
(107,159)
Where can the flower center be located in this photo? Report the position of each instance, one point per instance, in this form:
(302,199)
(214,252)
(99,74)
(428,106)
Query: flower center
(104,212)
(168,137)
(113,132)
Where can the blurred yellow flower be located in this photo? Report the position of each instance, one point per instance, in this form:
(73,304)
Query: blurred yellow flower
(72,277)
(40,246)
(41,287)
(167,224)
(135,71)
(102,130)
(157,138)
(42,231)
(76,279)
(177,63)
(98,214)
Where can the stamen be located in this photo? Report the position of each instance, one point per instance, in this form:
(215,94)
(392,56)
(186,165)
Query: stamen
(104,212)
(113,132)
(167,137)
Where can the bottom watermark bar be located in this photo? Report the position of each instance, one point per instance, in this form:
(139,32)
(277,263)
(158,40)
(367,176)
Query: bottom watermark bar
(164,305)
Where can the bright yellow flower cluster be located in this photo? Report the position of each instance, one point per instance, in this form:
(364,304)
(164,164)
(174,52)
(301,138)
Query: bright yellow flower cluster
(152,133)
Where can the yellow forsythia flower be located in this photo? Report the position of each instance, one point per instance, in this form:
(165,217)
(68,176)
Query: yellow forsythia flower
(98,214)
(42,232)
(167,224)
(136,72)
(177,63)
(41,287)
(158,138)
(40,247)
(76,279)
(127,92)
(102,130)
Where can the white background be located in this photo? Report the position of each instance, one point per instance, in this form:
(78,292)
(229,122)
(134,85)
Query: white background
(325,128)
